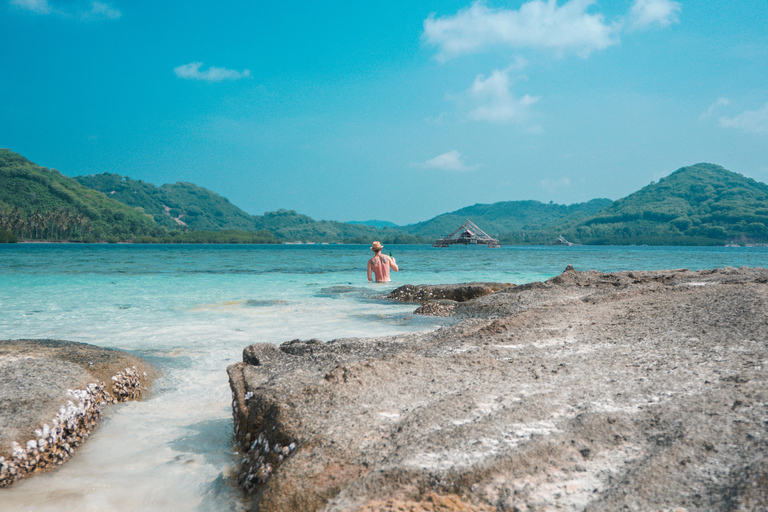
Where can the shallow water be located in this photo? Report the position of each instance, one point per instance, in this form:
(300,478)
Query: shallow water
(191,309)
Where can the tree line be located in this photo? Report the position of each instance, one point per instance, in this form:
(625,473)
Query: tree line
(51,225)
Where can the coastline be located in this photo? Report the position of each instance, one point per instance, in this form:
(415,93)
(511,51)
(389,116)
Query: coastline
(587,391)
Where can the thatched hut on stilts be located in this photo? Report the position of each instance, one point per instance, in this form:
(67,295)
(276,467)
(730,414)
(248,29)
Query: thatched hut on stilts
(467,234)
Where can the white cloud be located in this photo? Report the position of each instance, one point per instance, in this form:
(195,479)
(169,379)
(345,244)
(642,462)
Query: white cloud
(96,11)
(537,24)
(541,24)
(100,11)
(752,121)
(553,185)
(721,102)
(450,161)
(36,6)
(192,71)
(492,99)
(645,13)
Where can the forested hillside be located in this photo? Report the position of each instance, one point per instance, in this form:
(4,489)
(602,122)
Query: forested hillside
(289,225)
(703,204)
(185,206)
(174,206)
(38,203)
(506,219)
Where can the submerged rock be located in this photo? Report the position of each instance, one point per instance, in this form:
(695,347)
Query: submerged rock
(51,394)
(590,391)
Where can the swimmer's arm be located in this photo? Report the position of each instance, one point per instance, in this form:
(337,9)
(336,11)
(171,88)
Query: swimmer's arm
(393,265)
(369,270)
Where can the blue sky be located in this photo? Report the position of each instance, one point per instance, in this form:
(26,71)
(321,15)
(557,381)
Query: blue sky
(397,111)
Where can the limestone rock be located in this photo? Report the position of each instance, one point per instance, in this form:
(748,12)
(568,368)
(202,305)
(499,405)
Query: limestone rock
(590,391)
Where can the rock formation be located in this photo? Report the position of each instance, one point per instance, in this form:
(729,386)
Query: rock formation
(590,391)
(423,293)
(51,394)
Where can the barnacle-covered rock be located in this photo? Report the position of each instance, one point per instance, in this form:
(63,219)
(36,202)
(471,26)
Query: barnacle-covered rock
(51,393)
(590,391)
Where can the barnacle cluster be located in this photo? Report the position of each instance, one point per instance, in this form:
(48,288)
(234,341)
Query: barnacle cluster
(261,461)
(53,444)
(126,385)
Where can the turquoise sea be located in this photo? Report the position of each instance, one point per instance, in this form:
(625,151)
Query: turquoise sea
(191,309)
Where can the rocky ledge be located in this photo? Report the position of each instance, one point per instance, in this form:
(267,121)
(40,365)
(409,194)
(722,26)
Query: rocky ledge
(424,293)
(51,394)
(590,391)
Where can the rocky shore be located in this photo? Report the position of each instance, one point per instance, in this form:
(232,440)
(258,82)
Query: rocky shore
(590,391)
(441,300)
(51,393)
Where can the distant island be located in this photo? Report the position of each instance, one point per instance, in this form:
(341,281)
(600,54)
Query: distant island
(703,204)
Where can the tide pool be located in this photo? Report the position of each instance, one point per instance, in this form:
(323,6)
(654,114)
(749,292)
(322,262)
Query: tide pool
(191,309)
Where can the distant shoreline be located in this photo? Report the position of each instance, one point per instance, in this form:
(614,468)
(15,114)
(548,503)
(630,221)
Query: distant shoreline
(54,242)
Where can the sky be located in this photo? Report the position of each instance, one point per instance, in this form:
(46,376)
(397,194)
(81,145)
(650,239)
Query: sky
(397,110)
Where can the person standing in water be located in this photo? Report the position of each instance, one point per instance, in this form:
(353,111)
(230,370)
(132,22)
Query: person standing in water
(380,264)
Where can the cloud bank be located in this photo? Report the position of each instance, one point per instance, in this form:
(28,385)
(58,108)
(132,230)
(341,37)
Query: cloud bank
(96,11)
(536,24)
(192,71)
(539,24)
(450,161)
(573,26)
(751,121)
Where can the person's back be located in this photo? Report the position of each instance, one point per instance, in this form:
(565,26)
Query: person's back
(380,268)
(380,264)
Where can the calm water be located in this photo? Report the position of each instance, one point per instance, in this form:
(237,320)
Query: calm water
(191,309)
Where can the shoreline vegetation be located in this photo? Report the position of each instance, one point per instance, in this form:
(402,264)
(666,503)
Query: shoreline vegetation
(698,205)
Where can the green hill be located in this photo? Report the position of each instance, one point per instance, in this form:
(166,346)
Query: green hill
(181,205)
(42,204)
(521,220)
(703,204)
(375,223)
(289,225)
(187,206)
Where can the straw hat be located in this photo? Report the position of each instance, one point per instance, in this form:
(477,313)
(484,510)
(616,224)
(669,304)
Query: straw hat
(376,246)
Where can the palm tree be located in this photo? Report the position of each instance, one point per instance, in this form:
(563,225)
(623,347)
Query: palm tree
(37,220)
(65,218)
(85,222)
(50,219)
(5,219)
(16,222)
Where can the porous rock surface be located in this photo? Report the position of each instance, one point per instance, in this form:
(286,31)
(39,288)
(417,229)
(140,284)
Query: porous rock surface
(436,308)
(423,293)
(601,392)
(51,394)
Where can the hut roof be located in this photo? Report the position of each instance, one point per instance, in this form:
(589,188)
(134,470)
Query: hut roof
(470,233)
